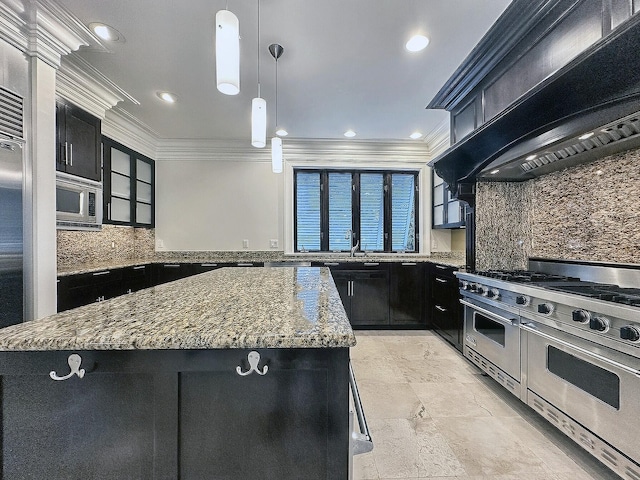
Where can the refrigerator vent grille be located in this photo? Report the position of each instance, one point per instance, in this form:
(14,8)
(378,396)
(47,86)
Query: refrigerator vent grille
(11,113)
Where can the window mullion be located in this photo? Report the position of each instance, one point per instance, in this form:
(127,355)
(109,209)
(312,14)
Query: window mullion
(355,206)
(387,212)
(324,209)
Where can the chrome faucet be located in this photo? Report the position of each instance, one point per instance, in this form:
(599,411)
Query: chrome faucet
(354,249)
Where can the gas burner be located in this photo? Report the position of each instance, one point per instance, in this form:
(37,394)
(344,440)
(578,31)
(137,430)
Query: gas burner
(599,291)
(525,276)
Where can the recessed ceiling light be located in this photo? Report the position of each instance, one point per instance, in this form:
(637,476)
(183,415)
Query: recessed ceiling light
(531,157)
(349,133)
(415,135)
(493,172)
(106,32)
(281,132)
(167,97)
(585,136)
(417,43)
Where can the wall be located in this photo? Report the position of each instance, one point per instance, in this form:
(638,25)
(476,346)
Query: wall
(213,195)
(589,212)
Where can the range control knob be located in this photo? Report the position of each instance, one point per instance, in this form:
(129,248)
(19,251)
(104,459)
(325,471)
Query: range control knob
(600,324)
(630,333)
(494,293)
(465,285)
(523,300)
(482,290)
(545,308)
(581,316)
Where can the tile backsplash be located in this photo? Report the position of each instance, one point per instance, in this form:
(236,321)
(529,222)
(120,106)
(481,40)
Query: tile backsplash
(589,212)
(111,243)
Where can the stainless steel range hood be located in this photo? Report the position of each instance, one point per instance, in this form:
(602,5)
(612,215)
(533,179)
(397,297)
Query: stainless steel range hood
(597,93)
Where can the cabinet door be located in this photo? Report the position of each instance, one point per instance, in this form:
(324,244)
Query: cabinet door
(80,427)
(136,278)
(168,272)
(78,142)
(369,298)
(407,290)
(342,279)
(272,426)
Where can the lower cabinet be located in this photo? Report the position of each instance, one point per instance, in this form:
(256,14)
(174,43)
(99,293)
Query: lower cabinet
(176,414)
(83,289)
(365,295)
(446,311)
(407,294)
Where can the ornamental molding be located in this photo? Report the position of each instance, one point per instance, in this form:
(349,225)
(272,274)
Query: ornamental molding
(439,139)
(85,86)
(295,150)
(124,128)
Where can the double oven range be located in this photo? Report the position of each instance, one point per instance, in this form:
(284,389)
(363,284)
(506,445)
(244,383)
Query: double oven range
(564,337)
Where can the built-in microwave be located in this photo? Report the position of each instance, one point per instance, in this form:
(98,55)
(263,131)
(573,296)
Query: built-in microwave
(78,203)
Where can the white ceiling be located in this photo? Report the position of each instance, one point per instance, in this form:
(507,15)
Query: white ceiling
(344,63)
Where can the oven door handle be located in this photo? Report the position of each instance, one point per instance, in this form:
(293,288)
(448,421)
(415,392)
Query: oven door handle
(503,320)
(530,327)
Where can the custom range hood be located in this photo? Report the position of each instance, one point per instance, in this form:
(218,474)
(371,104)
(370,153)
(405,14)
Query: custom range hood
(585,108)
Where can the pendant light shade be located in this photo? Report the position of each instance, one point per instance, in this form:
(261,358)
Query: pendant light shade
(227,53)
(258,122)
(276,155)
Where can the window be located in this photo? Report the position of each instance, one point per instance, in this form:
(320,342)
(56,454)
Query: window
(128,186)
(337,209)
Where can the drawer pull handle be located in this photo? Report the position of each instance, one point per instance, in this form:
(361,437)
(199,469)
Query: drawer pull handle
(331,264)
(371,264)
(96,274)
(441,280)
(245,265)
(74,362)
(208,264)
(254,359)
(438,307)
(409,264)
(442,267)
(141,267)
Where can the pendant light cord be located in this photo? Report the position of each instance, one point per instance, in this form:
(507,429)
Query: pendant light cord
(258,49)
(276,93)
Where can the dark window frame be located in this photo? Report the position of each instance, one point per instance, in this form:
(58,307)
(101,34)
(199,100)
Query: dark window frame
(355,206)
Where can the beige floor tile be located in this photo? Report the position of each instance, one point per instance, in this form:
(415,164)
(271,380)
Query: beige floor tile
(411,448)
(364,467)
(390,400)
(461,400)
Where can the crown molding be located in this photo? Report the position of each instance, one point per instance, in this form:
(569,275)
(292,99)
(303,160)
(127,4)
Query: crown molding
(85,86)
(439,139)
(325,151)
(44,29)
(126,129)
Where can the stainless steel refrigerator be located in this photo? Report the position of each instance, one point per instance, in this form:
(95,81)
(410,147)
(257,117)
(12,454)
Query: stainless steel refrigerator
(11,271)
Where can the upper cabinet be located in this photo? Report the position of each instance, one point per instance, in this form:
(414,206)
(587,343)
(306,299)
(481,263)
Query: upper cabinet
(77,142)
(447,211)
(129,186)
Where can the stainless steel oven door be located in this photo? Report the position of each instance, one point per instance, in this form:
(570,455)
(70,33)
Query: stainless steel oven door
(493,333)
(594,385)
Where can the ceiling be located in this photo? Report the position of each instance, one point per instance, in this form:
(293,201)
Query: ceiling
(344,64)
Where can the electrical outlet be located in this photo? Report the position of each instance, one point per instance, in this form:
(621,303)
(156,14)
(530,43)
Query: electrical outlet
(273,243)
(159,244)
(245,243)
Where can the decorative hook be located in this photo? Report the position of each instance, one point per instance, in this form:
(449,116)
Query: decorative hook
(74,362)
(254,359)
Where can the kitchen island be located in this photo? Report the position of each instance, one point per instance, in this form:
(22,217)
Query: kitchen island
(235,373)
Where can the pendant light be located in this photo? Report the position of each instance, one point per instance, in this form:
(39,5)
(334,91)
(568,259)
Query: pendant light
(258,107)
(227,53)
(276,142)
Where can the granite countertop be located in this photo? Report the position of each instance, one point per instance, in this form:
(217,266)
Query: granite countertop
(454,259)
(290,307)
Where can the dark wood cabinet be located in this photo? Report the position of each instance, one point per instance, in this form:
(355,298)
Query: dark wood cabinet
(446,311)
(168,272)
(175,414)
(83,289)
(78,142)
(129,186)
(407,294)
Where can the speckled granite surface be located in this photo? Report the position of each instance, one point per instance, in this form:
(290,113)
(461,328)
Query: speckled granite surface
(589,212)
(455,259)
(226,308)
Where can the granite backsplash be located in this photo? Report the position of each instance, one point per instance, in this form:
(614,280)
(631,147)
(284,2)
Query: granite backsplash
(112,243)
(589,212)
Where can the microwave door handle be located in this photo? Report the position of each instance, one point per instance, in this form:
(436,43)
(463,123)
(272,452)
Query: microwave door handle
(530,327)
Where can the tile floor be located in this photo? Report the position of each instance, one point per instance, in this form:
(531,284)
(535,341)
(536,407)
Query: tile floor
(433,415)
